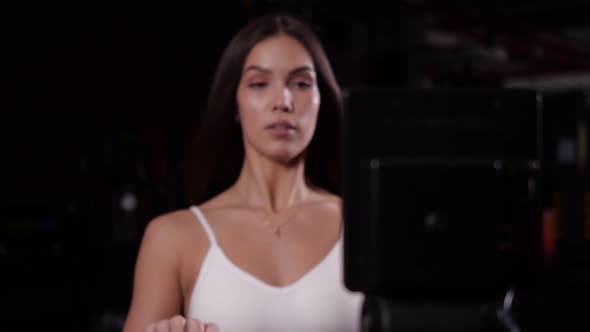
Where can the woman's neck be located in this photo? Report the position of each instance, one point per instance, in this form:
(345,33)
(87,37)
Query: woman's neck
(272,186)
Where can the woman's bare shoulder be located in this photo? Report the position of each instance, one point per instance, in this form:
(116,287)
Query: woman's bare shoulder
(175,226)
(327,199)
(325,206)
(173,221)
(167,242)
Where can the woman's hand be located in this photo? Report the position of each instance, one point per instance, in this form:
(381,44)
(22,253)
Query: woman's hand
(180,324)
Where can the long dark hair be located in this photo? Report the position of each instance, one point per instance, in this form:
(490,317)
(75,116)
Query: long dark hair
(216,152)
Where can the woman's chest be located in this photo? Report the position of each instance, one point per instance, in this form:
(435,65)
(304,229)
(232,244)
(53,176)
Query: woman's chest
(239,301)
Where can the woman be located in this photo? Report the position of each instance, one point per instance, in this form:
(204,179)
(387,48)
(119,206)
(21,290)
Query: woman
(261,249)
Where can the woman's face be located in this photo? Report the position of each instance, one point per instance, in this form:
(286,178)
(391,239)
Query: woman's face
(278,98)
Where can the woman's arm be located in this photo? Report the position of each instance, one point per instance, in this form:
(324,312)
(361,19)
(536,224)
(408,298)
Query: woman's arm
(157,291)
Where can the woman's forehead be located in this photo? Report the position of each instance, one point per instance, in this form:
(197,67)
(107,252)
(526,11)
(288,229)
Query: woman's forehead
(280,53)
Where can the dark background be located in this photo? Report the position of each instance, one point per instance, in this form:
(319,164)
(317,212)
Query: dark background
(98,99)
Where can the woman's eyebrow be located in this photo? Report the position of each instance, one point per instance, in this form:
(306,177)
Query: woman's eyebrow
(301,69)
(295,71)
(257,68)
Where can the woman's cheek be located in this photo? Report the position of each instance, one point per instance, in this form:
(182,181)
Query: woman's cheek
(309,123)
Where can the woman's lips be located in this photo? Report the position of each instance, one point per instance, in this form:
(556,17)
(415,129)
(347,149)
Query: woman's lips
(281,128)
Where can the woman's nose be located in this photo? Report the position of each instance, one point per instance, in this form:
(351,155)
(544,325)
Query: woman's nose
(284,101)
(282,107)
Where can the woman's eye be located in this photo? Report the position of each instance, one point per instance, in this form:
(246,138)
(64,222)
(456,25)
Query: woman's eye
(302,84)
(257,85)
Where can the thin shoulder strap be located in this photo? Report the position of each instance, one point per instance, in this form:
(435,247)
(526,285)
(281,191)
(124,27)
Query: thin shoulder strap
(201,218)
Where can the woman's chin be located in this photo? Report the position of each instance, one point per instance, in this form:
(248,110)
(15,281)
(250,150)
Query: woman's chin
(287,158)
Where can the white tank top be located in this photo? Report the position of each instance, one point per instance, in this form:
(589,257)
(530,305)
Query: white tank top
(239,302)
